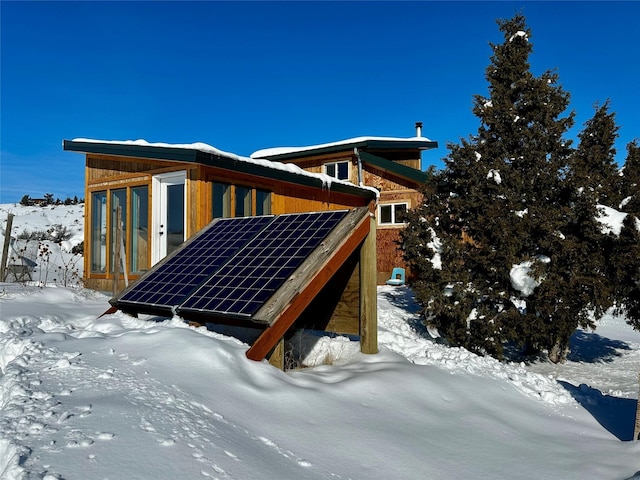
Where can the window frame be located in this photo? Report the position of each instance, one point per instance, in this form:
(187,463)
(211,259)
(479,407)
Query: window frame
(106,217)
(393,206)
(335,165)
(234,206)
(225,198)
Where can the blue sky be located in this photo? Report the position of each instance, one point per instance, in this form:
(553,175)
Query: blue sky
(243,76)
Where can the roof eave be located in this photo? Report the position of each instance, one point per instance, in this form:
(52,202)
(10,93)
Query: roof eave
(395,168)
(210,159)
(344,147)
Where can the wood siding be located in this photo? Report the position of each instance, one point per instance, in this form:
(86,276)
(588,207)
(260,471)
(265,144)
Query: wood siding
(393,189)
(110,173)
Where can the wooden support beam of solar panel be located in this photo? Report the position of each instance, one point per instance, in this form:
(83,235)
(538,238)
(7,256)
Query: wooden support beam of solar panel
(369,292)
(307,281)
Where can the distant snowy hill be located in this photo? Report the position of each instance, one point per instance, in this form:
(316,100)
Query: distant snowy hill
(46,235)
(84,396)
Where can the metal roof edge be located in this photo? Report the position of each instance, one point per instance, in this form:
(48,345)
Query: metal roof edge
(388,144)
(125,150)
(394,167)
(229,162)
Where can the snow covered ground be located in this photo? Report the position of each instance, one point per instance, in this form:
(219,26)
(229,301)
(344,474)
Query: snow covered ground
(113,397)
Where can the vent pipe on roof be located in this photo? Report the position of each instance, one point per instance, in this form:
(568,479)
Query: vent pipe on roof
(418,129)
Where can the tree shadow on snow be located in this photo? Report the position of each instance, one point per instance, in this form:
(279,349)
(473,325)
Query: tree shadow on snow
(590,347)
(617,415)
(585,347)
(402,297)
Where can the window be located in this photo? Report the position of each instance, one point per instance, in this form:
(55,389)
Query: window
(134,215)
(243,202)
(99,232)
(238,201)
(339,170)
(263,202)
(392,213)
(139,239)
(118,199)
(175,221)
(221,200)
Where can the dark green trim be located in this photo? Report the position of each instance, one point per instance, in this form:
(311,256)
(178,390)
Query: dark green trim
(137,151)
(370,144)
(188,155)
(395,168)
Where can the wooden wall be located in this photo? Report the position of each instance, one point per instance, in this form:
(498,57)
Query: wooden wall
(393,189)
(109,172)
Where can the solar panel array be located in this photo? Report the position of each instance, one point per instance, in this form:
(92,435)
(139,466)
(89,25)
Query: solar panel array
(251,277)
(232,267)
(169,284)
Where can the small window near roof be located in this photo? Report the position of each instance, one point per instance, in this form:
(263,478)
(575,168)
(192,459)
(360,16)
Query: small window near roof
(263,202)
(392,213)
(221,196)
(339,170)
(243,202)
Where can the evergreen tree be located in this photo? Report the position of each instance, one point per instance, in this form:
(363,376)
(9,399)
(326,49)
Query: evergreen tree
(625,257)
(594,167)
(630,180)
(625,270)
(505,250)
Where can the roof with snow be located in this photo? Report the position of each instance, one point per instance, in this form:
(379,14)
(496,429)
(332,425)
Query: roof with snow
(205,154)
(381,143)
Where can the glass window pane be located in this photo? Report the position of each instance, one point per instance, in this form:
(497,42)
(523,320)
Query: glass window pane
(343,171)
(175,216)
(243,202)
(139,239)
(221,199)
(263,202)
(99,232)
(399,212)
(330,169)
(385,213)
(118,199)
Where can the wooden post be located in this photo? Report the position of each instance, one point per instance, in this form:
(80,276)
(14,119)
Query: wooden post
(116,250)
(636,430)
(369,292)
(5,248)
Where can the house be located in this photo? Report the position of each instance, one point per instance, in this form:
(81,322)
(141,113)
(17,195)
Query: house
(390,165)
(164,194)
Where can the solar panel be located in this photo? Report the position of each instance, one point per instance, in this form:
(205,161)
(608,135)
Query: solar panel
(169,283)
(250,277)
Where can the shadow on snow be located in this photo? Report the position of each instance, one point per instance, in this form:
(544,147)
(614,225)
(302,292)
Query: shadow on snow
(590,347)
(617,415)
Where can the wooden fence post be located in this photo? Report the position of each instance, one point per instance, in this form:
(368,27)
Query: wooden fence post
(5,248)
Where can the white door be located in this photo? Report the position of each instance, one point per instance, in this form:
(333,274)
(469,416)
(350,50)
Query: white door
(169,213)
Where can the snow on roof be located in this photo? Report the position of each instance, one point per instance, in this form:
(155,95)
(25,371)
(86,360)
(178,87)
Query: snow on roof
(203,147)
(269,152)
